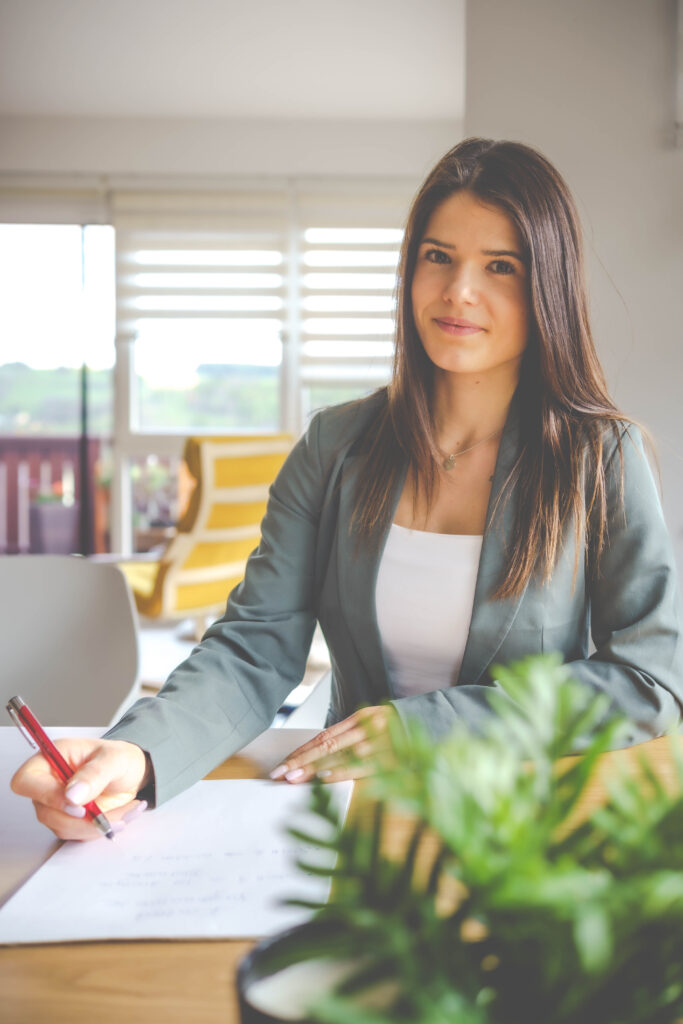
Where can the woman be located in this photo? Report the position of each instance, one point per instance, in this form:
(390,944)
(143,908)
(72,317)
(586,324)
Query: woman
(491,503)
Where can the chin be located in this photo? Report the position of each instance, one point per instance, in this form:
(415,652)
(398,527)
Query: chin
(457,364)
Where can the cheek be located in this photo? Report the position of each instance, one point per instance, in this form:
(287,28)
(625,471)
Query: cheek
(518,313)
(525,321)
(416,295)
(422,289)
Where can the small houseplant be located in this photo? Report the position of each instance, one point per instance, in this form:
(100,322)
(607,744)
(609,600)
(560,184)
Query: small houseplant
(520,913)
(53,520)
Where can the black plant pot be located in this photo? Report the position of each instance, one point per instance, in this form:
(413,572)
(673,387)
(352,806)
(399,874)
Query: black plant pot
(262,962)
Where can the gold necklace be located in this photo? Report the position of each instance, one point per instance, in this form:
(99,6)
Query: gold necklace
(449,461)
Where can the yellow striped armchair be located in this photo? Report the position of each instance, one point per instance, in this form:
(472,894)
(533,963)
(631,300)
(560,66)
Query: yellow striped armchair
(218,530)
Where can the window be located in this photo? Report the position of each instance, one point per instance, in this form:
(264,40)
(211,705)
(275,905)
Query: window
(347,312)
(239,306)
(56,313)
(347,243)
(56,360)
(201,295)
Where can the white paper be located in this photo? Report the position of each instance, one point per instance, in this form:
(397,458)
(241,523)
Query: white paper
(214,862)
(25,844)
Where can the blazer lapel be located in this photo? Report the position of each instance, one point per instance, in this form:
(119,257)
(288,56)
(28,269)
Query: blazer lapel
(357,567)
(491,620)
(358,564)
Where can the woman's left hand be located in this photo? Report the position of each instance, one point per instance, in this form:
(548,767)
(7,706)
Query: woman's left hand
(364,733)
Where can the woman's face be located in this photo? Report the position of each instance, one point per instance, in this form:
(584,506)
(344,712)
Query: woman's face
(470,290)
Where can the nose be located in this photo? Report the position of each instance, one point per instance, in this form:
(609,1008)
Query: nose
(462,284)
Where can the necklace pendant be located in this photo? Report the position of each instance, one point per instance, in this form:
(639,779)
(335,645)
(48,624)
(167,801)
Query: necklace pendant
(448,462)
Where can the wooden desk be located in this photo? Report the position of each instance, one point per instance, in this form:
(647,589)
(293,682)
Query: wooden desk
(173,982)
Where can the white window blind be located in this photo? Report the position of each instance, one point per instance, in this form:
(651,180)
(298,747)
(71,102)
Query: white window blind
(298,274)
(194,256)
(349,238)
(201,284)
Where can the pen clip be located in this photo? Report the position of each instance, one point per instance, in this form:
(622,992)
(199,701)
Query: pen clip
(20,725)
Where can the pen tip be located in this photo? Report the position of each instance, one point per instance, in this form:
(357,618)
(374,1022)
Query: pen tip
(109,835)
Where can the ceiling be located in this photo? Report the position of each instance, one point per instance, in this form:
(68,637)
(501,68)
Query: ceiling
(355,59)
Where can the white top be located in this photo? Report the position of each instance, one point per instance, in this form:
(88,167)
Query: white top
(424,597)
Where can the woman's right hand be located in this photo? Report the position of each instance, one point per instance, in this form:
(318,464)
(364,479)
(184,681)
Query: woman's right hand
(110,772)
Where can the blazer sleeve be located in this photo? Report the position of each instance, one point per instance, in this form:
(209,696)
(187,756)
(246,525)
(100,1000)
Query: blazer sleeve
(635,617)
(232,684)
(635,603)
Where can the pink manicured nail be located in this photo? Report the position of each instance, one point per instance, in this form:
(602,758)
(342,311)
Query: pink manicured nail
(295,774)
(278,772)
(136,811)
(78,793)
(75,812)
(118,826)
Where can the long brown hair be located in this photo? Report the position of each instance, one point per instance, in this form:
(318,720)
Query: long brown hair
(563,399)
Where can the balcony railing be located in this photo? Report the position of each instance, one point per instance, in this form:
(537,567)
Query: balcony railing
(34,470)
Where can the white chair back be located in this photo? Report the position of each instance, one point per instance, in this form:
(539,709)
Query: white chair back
(312,712)
(68,638)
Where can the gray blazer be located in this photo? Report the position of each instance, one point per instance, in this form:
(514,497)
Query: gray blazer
(309,567)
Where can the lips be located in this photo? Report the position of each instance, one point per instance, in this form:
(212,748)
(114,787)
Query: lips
(457,325)
(456,322)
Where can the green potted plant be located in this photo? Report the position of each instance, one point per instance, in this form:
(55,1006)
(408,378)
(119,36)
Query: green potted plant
(503,908)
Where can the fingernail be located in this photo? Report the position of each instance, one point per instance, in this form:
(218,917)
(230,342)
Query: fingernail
(278,772)
(295,774)
(77,793)
(117,826)
(324,774)
(75,812)
(136,811)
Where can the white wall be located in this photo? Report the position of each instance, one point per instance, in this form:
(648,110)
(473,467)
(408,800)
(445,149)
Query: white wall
(592,84)
(332,59)
(215,146)
(211,87)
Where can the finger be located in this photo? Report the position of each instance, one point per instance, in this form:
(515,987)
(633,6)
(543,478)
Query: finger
(114,812)
(344,733)
(125,811)
(35,780)
(111,802)
(347,774)
(92,778)
(65,826)
(134,812)
(327,735)
(336,769)
(347,759)
(326,745)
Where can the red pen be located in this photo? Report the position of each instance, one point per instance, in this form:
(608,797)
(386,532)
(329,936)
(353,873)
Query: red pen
(28,724)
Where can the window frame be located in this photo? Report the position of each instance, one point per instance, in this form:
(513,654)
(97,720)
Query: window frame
(307,203)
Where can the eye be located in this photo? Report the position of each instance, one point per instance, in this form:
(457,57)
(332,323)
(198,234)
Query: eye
(437,256)
(503,267)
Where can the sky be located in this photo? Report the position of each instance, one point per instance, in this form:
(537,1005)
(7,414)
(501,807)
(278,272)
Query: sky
(51,311)
(57,309)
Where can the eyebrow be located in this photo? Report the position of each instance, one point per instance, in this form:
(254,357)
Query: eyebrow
(485,252)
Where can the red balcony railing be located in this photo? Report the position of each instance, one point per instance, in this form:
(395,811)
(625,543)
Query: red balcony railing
(34,470)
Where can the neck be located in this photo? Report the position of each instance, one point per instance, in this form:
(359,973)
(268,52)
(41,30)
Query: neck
(468,407)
